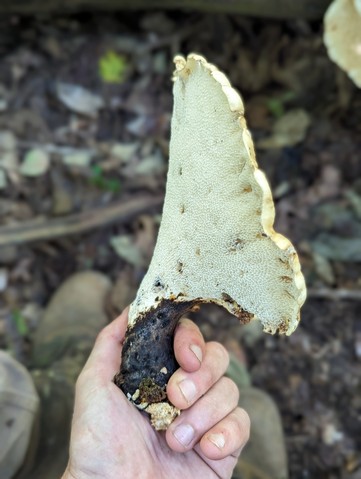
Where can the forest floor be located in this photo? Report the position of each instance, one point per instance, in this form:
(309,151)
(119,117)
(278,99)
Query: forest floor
(85,106)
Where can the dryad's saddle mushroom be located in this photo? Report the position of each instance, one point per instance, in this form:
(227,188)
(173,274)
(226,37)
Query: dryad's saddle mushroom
(216,242)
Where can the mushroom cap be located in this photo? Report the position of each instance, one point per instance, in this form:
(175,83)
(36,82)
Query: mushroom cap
(342,36)
(216,242)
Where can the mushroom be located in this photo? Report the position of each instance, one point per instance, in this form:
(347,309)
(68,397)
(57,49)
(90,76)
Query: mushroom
(342,36)
(216,242)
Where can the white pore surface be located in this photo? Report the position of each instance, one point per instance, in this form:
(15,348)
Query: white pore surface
(216,241)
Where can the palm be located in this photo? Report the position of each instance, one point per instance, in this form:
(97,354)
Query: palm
(123,434)
(111,439)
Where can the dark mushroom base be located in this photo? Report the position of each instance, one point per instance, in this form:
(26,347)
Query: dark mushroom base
(148,359)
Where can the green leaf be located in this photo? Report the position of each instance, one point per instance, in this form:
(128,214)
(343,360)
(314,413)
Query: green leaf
(20,323)
(113,67)
(96,171)
(276,105)
(98,179)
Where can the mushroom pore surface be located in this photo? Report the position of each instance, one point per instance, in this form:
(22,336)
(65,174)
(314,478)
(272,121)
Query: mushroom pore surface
(216,242)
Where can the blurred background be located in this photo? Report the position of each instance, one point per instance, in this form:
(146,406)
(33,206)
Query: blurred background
(85,107)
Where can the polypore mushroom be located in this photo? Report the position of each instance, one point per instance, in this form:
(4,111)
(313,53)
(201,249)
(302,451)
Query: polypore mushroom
(342,36)
(216,242)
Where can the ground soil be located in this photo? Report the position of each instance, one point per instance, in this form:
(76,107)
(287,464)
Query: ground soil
(280,68)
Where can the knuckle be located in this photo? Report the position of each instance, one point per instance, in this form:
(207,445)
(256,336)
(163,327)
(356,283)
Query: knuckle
(244,422)
(219,351)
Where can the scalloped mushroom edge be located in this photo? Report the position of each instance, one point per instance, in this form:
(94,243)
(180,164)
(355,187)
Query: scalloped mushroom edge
(183,68)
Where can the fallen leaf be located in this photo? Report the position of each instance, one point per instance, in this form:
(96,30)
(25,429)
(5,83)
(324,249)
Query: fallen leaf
(289,130)
(323,268)
(79,99)
(9,161)
(80,159)
(124,151)
(125,247)
(336,248)
(355,201)
(113,67)
(4,276)
(124,289)
(140,126)
(151,165)
(7,141)
(36,163)
(20,323)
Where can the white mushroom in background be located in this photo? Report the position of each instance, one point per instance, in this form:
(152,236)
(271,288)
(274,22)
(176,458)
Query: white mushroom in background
(216,242)
(342,36)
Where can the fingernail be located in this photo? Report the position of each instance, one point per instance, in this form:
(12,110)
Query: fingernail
(188,389)
(184,433)
(197,351)
(218,440)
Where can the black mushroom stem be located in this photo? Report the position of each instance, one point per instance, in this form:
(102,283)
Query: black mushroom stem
(148,359)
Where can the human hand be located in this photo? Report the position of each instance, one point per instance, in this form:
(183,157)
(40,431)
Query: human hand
(111,439)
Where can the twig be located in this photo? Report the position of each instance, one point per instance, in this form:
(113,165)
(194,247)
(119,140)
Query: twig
(341,294)
(61,150)
(77,223)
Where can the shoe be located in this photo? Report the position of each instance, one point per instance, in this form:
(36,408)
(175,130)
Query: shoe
(19,406)
(264,456)
(63,341)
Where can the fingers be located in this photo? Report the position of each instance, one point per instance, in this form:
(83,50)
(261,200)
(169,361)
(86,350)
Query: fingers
(221,446)
(210,420)
(227,437)
(189,345)
(208,411)
(104,360)
(185,388)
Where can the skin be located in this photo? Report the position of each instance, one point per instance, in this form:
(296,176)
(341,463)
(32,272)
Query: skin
(111,439)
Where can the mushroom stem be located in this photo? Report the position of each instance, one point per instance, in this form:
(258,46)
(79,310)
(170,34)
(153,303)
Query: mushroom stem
(148,359)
